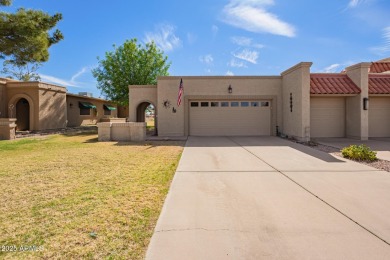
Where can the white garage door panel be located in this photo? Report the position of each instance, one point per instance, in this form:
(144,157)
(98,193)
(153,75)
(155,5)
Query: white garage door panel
(230,121)
(327,117)
(379,117)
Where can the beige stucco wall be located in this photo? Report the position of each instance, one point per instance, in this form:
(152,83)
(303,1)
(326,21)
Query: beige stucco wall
(296,81)
(356,117)
(46,102)
(212,88)
(139,94)
(73,110)
(3,99)
(29,91)
(52,107)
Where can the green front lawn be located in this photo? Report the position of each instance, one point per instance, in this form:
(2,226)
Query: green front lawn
(73,197)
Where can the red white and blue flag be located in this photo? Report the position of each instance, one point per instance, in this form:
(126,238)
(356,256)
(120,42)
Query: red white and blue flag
(179,96)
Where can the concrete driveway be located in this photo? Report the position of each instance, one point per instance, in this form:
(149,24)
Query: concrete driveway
(380,145)
(264,197)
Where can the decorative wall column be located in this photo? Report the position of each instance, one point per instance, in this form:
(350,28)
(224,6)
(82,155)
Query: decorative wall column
(7,128)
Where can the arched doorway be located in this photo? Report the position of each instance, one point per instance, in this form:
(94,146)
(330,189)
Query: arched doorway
(22,115)
(146,112)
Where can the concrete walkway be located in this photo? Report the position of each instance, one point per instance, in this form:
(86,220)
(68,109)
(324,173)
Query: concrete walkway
(268,198)
(380,145)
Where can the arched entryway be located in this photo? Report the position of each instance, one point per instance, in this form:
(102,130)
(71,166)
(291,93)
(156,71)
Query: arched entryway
(146,113)
(22,110)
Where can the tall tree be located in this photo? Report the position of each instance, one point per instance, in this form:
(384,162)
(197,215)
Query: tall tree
(25,37)
(129,64)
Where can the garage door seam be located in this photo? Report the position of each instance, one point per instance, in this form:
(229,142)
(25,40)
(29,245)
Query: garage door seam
(310,192)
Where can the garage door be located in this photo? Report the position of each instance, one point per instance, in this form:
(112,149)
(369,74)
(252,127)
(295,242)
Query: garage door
(230,118)
(327,117)
(379,117)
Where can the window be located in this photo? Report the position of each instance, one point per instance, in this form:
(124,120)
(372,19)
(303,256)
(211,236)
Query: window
(85,108)
(234,104)
(254,104)
(264,104)
(224,104)
(214,104)
(107,109)
(85,111)
(245,104)
(204,104)
(194,104)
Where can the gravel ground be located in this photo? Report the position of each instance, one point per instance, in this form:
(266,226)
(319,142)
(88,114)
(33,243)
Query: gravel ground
(378,164)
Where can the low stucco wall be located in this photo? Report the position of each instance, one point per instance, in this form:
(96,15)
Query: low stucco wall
(113,120)
(7,128)
(130,131)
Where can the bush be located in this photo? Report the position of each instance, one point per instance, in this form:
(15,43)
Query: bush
(359,152)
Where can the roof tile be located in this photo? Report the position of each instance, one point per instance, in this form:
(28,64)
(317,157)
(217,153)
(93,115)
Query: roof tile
(379,84)
(379,67)
(332,83)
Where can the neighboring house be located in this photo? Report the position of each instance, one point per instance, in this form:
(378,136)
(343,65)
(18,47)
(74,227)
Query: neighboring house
(299,104)
(42,106)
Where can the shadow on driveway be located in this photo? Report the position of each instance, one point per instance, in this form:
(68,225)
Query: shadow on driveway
(261,142)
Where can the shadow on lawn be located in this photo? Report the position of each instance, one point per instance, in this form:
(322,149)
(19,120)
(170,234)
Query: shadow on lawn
(152,144)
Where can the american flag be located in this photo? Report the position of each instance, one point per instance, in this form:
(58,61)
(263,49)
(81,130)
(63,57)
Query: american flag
(180,92)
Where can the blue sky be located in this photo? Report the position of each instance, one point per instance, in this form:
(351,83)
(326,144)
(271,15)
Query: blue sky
(220,37)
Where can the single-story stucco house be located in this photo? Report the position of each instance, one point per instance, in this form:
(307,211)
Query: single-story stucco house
(43,106)
(297,103)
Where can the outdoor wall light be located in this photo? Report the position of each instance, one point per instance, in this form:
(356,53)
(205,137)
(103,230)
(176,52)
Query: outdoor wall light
(173,110)
(365,103)
(71,105)
(230,89)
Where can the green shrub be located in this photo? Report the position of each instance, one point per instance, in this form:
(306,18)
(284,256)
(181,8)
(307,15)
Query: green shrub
(359,152)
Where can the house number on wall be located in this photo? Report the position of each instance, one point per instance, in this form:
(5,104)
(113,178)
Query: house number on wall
(291,102)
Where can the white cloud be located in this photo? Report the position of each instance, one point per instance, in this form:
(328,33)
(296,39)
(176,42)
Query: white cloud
(208,59)
(164,37)
(242,41)
(385,48)
(215,30)
(191,38)
(236,64)
(229,73)
(78,74)
(355,3)
(247,55)
(55,80)
(64,82)
(246,42)
(336,67)
(252,16)
(332,68)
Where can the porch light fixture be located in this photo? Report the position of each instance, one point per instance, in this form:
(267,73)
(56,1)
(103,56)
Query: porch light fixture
(230,89)
(365,103)
(71,105)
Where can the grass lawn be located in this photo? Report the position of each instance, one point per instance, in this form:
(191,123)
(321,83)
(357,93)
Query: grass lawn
(74,197)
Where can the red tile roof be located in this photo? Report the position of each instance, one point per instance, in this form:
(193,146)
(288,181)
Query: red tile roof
(379,67)
(379,84)
(332,83)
